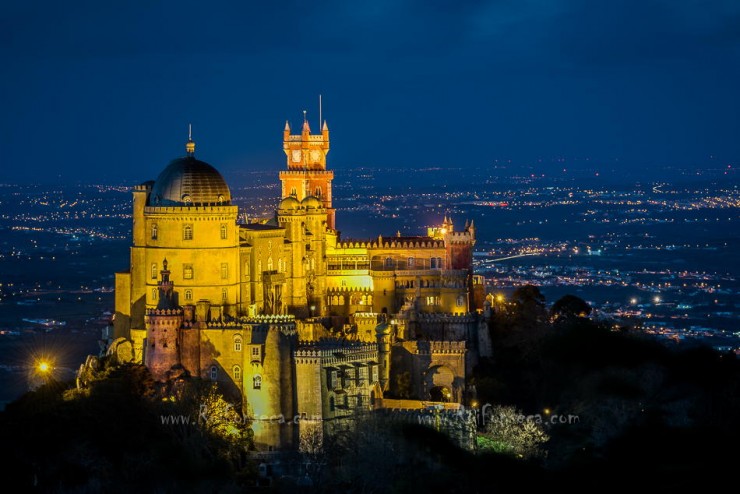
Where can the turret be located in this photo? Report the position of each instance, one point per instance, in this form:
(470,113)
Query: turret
(163,324)
(383,336)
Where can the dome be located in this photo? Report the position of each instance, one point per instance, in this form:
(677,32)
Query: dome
(188,181)
(289,202)
(311,202)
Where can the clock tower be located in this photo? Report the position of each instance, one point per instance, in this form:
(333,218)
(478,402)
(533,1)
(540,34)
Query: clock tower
(307,174)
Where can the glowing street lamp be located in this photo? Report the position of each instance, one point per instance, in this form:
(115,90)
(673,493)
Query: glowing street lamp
(633,301)
(43,367)
(656,299)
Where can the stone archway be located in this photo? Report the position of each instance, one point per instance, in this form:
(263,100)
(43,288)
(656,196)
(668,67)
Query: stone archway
(439,383)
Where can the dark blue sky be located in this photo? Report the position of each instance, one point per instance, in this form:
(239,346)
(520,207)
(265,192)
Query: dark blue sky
(103,90)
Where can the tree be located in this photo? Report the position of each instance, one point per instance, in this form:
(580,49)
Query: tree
(509,431)
(569,307)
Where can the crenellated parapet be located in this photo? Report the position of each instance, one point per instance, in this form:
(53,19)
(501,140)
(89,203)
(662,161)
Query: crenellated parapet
(447,318)
(330,351)
(420,347)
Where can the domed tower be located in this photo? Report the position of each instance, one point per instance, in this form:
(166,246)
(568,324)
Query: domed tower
(186,216)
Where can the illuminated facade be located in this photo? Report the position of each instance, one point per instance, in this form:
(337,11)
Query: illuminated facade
(298,321)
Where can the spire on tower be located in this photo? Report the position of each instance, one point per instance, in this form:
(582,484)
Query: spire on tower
(190,145)
(287,126)
(325,127)
(306,127)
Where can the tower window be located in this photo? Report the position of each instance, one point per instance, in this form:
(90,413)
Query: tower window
(331,404)
(188,295)
(411,262)
(256,353)
(224,270)
(187,271)
(317,192)
(155,231)
(187,232)
(388,262)
(154,294)
(293,191)
(257,382)
(460,300)
(269,263)
(224,231)
(154,270)
(237,373)
(238,344)
(224,295)
(214,373)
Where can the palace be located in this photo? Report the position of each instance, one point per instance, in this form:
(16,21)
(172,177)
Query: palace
(294,319)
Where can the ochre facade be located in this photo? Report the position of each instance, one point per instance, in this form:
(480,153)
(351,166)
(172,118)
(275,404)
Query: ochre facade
(296,320)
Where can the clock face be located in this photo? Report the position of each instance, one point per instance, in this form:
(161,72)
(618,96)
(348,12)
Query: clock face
(296,156)
(315,155)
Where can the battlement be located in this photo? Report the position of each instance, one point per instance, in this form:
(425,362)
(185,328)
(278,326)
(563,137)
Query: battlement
(334,351)
(420,347)
(431,317)
(301,172)
(200,209)
(164,312)
(429,243)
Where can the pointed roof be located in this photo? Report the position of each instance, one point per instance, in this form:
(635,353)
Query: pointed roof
(325,127)
(287,126)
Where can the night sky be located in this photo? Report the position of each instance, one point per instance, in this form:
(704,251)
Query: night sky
(103,91)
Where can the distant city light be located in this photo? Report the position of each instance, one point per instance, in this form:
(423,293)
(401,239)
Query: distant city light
(656,299)
(633,301)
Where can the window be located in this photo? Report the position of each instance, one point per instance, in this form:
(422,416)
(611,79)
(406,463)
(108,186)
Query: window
(154,294)
(238,344)
(293,192)
(224,295)
(155,231)
(187,232)
(331,404)
(460,301)
(359,400)
(388,262)
(237,373)
(154,270)
(224,270)
(317,193)
(436,263)
(411,262)
(187,271)
(257,382)
(214,373)
(189,295)
(269,263)
(256,353)
(223,231)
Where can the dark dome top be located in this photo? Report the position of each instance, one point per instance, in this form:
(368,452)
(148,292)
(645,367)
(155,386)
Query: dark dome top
(188,181)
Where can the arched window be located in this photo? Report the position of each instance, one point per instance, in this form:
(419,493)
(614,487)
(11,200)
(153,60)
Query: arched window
(214,373)
(257,382)
(317,192)
(155,231)
(293,191)
(224,295)
(223,231)
(237,343)
(341,300)
(269,263)
(187,271)
(154,294)
(460,300)
(189,295)
(388,262)
(331,404)
(154,270)
(237,373)
(187,232)
(411,262)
